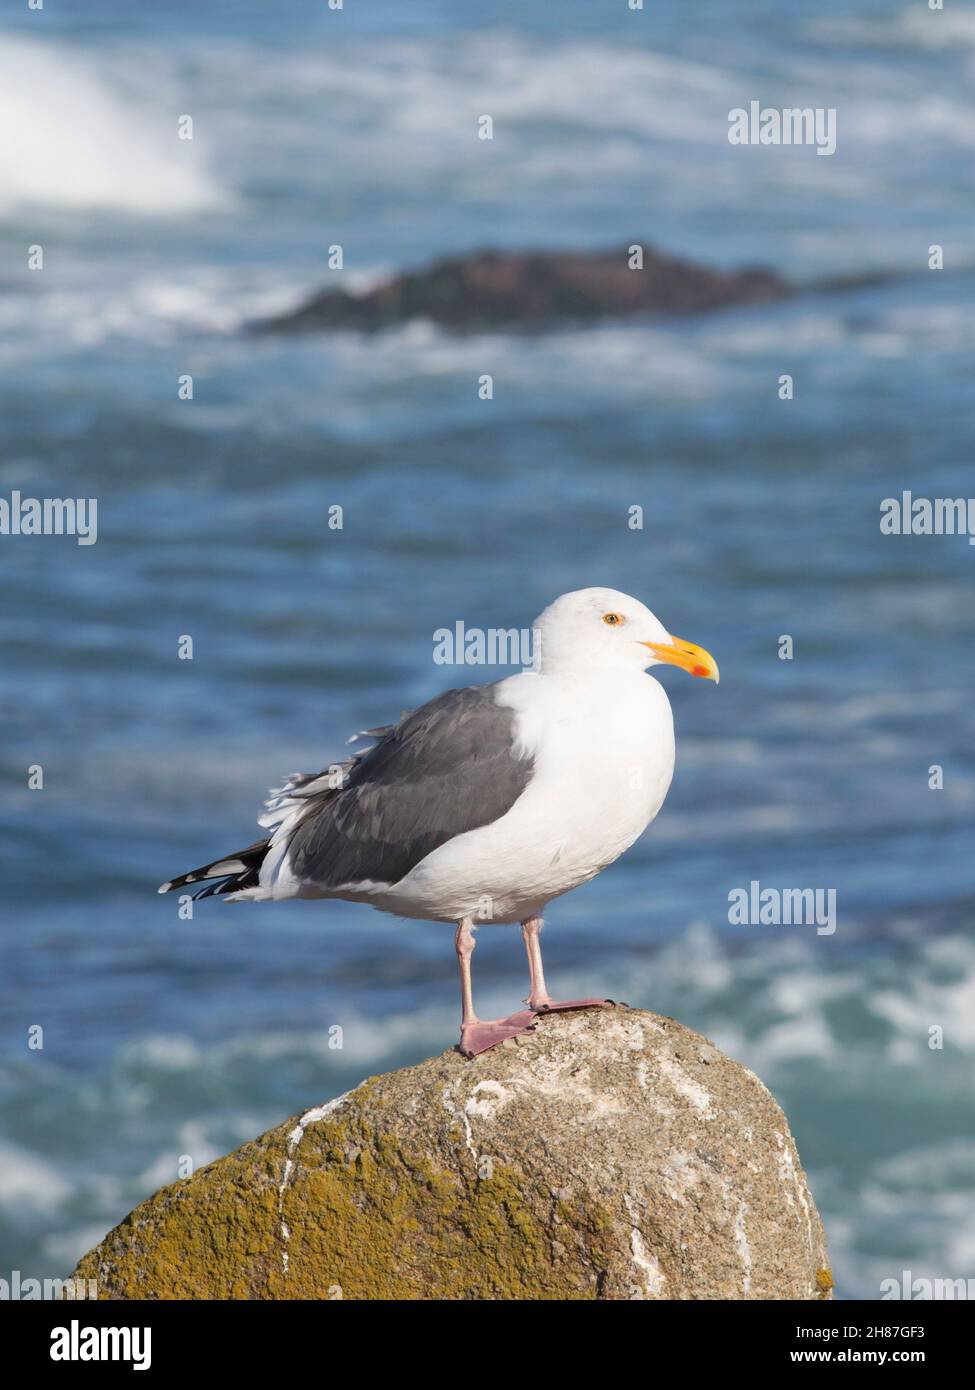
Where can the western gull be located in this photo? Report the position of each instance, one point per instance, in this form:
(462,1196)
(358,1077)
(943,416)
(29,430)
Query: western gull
(487,802)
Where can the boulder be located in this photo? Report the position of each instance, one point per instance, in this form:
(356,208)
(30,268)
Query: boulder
(612,1154)
(535,289)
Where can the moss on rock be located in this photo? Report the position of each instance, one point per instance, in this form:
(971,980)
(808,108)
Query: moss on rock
(612,1154)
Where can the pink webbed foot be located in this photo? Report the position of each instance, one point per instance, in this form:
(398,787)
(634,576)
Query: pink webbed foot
(478,1035)
(558,1006)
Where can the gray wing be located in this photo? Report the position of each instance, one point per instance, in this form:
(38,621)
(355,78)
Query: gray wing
(446,768)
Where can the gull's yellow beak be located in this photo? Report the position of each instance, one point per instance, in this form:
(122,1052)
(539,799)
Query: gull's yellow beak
(687,657)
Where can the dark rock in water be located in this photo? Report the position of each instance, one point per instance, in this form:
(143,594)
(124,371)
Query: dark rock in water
(535,289)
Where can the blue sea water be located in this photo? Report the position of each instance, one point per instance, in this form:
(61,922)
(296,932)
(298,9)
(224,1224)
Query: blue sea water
(313,127)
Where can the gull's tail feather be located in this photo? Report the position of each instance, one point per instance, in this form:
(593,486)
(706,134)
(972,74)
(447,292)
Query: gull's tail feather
(228,875)
(302,793)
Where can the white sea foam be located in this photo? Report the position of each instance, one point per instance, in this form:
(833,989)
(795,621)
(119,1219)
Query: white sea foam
(72,140)
(97,127)
(914,27)
(191,1141)
(28,1181)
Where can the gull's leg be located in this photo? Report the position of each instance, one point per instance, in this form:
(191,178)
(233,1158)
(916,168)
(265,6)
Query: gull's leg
(477,1035)
(539,1000)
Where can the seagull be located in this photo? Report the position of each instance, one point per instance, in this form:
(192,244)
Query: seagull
(488,802)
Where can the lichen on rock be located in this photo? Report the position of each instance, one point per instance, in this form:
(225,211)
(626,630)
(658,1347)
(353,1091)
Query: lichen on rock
(612,1154)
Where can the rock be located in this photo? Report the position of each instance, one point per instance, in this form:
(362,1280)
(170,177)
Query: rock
(611,1155)
(491,289)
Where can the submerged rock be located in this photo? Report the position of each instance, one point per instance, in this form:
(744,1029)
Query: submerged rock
(532,289)
(612,1154)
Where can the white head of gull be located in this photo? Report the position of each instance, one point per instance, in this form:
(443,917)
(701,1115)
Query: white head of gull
(489,801)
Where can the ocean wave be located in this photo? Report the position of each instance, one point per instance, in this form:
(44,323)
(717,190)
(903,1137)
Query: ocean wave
(911,28)
(572,118)
(72,140)
(28,1182)
(84,310)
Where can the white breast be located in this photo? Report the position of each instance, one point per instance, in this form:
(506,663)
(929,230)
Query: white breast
(603,751)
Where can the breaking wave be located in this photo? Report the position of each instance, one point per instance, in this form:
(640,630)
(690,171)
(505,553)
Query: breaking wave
(73,139)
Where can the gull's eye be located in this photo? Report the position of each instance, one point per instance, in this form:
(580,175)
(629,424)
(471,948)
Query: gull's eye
(613,619)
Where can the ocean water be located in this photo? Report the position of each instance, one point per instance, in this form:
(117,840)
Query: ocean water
(165,1038)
